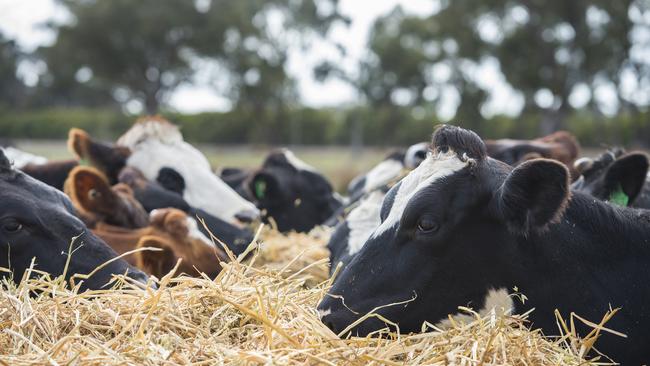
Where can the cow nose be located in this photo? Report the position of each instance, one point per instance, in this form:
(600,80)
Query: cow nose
(247,216)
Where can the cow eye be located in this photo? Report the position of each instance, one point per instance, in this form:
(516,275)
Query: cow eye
(427,225)
(12,226)
(93,194)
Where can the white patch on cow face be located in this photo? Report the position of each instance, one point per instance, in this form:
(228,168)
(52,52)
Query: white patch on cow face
(410,158)
(497,302)
(382,174)
(433,168)
(196,234)
(203,189)
(21,158)
(297,163)
(324,313)
(363,219)
(156,129)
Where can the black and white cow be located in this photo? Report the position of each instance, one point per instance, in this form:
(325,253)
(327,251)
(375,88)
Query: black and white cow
(350,235)
(615,176)
(159,151)
(291,193)
(463,229)
(389,169)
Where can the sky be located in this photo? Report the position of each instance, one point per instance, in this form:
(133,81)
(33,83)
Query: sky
(20,20)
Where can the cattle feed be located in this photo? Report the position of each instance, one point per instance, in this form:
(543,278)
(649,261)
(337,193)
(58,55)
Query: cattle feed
(433,168)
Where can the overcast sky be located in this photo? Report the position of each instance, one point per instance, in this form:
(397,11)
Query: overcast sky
(19,20)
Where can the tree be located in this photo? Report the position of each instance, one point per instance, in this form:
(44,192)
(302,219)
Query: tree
(546,50)
(142,50)
(12,89)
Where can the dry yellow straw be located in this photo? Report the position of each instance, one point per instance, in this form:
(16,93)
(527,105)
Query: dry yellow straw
(261,311)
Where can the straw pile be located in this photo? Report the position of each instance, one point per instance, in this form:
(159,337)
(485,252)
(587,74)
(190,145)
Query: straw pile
(258,312)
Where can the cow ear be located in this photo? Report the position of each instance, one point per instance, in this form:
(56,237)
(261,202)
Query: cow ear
(534,195)
(89,190)
(158,262)
(625,178)
(262,186)
(171,180)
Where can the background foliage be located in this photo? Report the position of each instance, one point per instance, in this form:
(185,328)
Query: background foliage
(114,54)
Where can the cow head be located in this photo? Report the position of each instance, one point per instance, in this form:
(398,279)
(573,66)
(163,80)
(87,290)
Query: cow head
(96,200)
(446,236)
(292,193)
(38,221)
(614,176)
(157,149)
(178,238)
(108,158)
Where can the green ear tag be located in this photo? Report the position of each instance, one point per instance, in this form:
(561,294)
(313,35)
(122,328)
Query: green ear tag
(260,189)
(83,162)
(619,197)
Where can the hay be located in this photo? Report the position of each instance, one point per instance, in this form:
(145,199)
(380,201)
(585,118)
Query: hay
(260,312)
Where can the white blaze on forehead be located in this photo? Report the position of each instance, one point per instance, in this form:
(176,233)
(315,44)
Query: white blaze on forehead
(410,159)
(382,174)
(157,129)
(497,302)
(433,168)
(362,220)
(21,158)
(297,163)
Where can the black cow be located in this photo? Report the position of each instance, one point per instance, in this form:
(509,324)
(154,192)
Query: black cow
(465,229)
(615,176)
(153,196)
(37,221)
(292,194)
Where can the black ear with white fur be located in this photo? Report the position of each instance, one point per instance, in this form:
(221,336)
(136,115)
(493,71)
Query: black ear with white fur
(626,175)
(463,142)
(534,195)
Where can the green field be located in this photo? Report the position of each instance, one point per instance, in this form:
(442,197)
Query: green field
(339,164)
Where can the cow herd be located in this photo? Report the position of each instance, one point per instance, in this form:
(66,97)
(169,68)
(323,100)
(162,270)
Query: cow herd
(495,225)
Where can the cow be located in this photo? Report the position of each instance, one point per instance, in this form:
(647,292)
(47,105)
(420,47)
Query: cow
(97,201)
(388,170)
(20,158)
(292,194)
(39,222)
(615,176)
(464,229)
(175,235)
(152,196)
(350,235)
(561,146)
(156,144)
(106,157)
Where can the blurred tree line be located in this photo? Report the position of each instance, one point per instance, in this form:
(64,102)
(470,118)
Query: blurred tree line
(578,65)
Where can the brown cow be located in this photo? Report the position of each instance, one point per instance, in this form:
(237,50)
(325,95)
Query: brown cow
(177,237)
(561,146)
(96,201)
